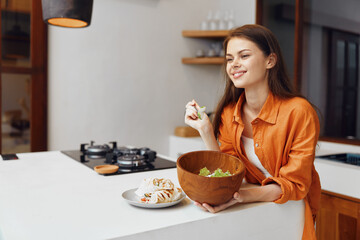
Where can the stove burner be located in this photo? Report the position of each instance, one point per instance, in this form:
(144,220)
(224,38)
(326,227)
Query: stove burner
(131,161)
(133,157)
(96,151)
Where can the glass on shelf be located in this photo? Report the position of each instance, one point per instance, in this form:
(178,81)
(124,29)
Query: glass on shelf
(218,20)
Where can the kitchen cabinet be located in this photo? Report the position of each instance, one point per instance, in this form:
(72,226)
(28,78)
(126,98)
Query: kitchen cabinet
(217,35)
(339,217)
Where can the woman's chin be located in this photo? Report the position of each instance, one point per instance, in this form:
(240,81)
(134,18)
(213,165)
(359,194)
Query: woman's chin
(239,84)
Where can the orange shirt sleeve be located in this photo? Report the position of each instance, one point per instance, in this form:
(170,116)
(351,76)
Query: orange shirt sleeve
(295,177)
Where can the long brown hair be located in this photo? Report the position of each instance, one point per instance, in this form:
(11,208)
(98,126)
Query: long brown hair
(278,79)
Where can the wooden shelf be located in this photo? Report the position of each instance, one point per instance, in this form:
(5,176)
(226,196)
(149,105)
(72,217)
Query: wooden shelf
(205,34)
(204,60)
(211,35)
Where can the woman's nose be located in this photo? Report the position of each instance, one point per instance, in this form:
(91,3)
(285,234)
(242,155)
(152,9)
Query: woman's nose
(236,63)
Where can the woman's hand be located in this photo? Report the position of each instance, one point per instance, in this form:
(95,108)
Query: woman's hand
(267,193)
(203,125)
(214,209)
(192,119)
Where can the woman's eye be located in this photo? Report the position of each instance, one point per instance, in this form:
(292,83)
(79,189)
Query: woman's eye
(244,56)
(229,59)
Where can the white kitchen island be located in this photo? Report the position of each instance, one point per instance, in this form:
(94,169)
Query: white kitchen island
(47,195)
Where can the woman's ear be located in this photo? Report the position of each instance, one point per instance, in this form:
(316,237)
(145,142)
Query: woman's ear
(271,61)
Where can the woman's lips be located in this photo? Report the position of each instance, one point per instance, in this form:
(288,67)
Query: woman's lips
(238,74)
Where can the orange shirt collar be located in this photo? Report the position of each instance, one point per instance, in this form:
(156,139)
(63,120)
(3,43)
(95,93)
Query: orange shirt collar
(268,113)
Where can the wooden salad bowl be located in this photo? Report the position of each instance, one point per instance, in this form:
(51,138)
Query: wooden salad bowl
(211,190)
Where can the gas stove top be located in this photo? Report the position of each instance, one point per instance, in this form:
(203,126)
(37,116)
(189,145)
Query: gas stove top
(129,160)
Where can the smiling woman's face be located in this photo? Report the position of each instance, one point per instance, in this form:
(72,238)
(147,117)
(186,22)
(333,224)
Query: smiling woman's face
(246,64)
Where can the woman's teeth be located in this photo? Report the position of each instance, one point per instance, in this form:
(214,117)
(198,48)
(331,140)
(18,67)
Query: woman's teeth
(238,74)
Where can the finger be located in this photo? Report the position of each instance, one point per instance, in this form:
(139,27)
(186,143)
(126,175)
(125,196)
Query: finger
(218,208)
(196,106)
(192,117)
(238,197)
(191,107)
(190,112)
(230,203)
(200,206)
(209,208)
(191,103)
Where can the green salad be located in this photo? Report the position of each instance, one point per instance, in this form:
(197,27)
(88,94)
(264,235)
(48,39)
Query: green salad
(217,173)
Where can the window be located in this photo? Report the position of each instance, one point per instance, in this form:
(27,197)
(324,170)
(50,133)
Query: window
(320,43)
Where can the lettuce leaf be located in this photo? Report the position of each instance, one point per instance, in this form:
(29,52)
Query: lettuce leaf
(204,172)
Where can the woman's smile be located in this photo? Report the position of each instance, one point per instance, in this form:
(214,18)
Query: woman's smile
(238,74)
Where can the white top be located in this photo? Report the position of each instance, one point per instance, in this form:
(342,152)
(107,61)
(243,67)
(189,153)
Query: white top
(250,153)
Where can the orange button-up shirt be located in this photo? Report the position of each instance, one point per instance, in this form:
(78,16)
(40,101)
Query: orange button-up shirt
(285,136)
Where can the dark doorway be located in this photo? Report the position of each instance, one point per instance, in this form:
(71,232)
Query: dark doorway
(342,89)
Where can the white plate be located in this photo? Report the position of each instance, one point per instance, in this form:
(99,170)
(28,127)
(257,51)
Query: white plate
(134,199)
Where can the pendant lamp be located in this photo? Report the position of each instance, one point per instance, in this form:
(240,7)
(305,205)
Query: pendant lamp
(67,13)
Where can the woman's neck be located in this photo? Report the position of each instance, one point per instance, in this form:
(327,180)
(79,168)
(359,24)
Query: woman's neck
(255,99)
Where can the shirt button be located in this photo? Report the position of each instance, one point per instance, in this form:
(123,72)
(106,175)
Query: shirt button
(256,121)
(256,145)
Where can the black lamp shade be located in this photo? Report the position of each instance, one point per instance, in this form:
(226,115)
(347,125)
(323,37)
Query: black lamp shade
(67,13)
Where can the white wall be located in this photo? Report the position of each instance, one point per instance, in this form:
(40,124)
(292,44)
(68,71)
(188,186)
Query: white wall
(122,79)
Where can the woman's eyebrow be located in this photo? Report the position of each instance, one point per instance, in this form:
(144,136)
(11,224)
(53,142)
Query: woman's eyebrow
(239,52)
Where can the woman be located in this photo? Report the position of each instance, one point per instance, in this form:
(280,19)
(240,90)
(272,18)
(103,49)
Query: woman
(264,122)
